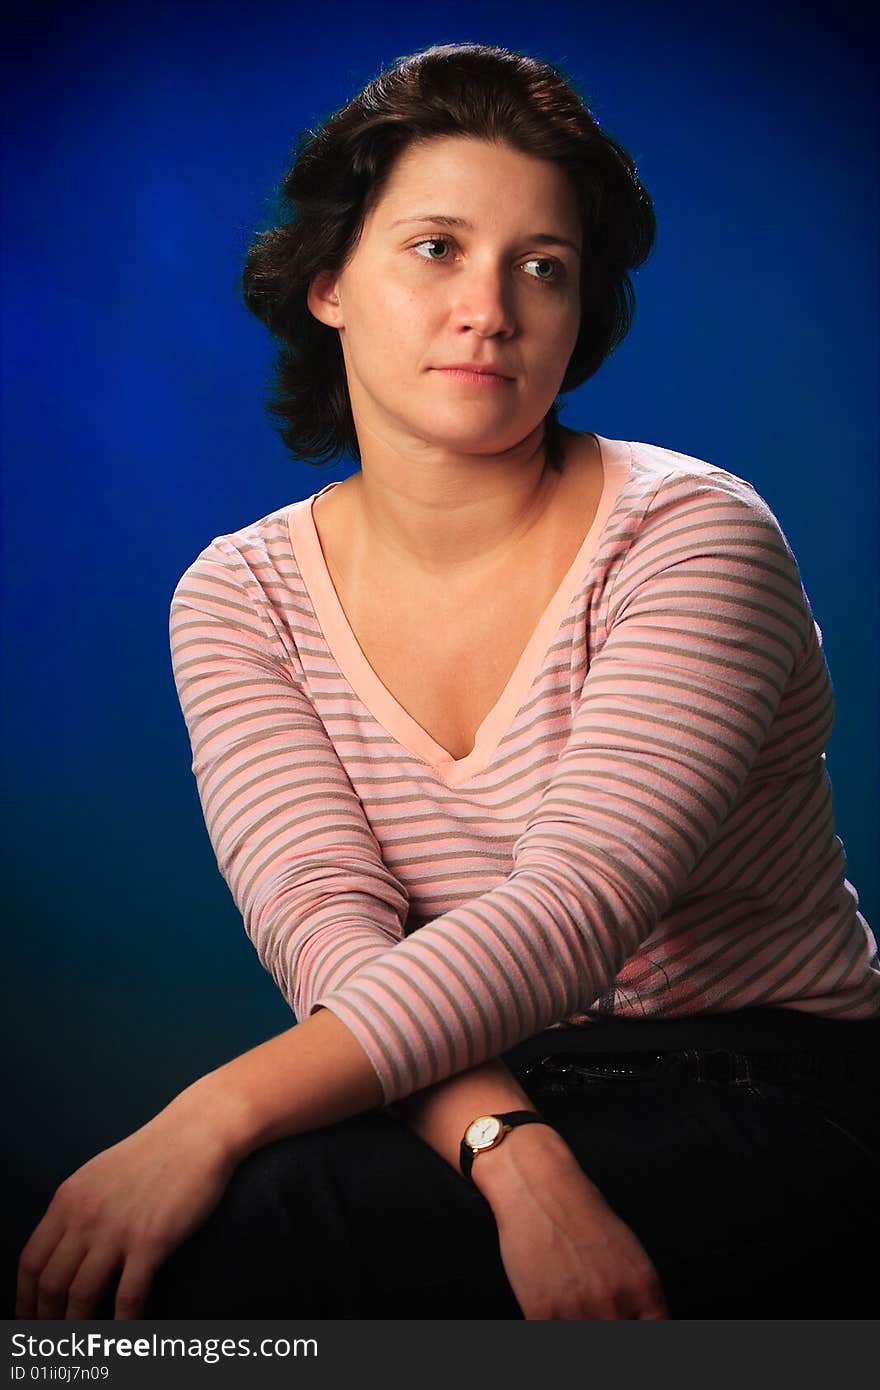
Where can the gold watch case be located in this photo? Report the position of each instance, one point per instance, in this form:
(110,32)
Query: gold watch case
(484,1133)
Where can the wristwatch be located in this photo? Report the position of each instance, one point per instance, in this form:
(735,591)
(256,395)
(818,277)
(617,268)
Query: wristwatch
(487,1132)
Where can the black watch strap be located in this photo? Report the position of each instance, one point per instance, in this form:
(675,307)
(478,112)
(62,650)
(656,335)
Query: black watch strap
(510,1118)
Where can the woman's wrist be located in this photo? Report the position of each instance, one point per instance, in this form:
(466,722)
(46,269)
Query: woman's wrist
(524,1160)
(223,1116)
(441,1113)
(311,1075)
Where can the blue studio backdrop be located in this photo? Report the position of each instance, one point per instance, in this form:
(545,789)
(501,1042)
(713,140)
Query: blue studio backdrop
(143,148)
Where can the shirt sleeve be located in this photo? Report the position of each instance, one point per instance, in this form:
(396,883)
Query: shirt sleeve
(289,832)
(705,622)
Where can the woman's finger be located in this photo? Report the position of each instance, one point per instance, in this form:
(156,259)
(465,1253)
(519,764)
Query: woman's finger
(654,1307)
(134,1285)
(57,1273)
(33,1258)
(88,1285)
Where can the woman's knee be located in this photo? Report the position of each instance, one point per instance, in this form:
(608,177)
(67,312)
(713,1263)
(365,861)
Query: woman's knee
(282,1240)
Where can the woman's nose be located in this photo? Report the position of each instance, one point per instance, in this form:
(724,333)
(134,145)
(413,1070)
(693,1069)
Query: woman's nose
(484,302)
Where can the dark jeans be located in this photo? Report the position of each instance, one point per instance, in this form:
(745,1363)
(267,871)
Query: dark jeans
(743,1150)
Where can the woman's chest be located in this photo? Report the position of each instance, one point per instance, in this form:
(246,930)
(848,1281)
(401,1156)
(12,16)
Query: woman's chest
(447,661)
(453,655)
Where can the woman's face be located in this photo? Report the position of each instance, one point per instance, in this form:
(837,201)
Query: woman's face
(471,255)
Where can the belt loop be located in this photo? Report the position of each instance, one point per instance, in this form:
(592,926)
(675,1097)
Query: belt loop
(695,1064)
(719,1066)
(742,1075)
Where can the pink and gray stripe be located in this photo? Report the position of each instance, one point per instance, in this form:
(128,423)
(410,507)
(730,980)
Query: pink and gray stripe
(644,826)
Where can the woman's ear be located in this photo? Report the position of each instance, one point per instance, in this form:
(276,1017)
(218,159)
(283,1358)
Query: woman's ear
(323,299)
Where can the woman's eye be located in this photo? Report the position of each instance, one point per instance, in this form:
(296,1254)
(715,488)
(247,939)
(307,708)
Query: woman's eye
(553,268)
(432,241)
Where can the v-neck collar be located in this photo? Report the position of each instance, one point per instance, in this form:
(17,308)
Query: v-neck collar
(378,699)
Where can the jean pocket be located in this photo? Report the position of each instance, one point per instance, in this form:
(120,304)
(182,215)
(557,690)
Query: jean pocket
(859,1143)
(851,1112)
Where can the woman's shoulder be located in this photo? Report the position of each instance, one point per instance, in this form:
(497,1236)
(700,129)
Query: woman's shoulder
(677,507)
(664,484)
(661,465)
(258,548)
(248,580)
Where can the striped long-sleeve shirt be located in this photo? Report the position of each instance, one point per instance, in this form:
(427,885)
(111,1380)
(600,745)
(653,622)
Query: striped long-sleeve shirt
(643,828)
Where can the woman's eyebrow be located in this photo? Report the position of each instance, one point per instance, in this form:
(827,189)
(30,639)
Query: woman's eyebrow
(444,220)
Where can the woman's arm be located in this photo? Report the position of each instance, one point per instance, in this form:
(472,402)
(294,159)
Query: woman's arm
(317,1073)
(289,833)
(565,1252)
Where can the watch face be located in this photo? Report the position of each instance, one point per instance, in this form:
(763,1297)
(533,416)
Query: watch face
(482,1132)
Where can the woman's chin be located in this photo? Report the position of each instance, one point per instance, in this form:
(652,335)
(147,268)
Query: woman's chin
(479,438)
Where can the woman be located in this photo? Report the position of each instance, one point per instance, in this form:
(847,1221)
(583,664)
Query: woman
(510,747)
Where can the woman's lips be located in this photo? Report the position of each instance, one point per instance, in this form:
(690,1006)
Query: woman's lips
(475,378)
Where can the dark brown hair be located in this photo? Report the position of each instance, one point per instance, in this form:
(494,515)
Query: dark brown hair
(339,171)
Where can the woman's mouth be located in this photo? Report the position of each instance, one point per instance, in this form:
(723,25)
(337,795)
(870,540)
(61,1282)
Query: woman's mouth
(473,378)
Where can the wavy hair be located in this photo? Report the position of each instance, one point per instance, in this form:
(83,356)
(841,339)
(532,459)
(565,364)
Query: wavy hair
(339,171)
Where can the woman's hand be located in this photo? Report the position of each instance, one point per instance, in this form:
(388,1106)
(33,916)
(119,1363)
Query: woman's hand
(567,1255)
(127,1208)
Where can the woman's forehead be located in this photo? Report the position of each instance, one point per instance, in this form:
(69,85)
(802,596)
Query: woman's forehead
(469,169)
